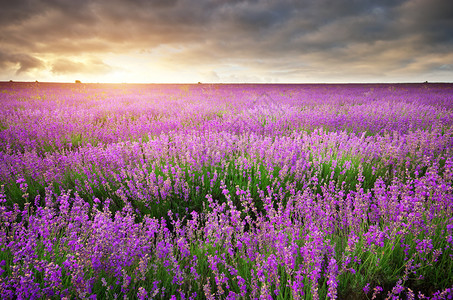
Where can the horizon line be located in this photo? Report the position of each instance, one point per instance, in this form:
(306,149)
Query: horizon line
(224,83)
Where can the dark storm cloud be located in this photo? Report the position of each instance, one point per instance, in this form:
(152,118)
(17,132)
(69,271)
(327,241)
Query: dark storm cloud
(274,37)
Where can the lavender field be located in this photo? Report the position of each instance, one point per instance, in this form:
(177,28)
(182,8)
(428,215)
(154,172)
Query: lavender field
(226,191)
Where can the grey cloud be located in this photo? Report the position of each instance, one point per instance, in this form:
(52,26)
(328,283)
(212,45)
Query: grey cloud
(446,67)
(184,19)
(65,66)
(21,62)
(154,3)
(18,11)
(431,19)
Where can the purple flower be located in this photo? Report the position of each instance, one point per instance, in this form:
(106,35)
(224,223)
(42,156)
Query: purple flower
(366,288)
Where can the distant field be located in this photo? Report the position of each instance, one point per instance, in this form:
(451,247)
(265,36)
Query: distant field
(226,191)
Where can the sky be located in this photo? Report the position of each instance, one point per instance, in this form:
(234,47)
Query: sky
(220,41)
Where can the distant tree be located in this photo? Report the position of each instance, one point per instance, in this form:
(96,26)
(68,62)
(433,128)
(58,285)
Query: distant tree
(11,80)
(37,81)
(199,82)
(78,81)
